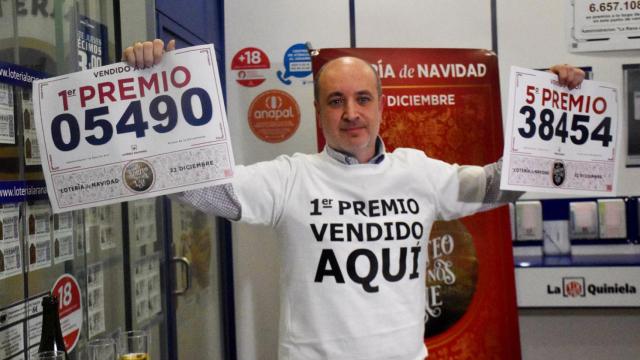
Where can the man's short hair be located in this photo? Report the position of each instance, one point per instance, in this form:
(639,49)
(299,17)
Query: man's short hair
(316,79)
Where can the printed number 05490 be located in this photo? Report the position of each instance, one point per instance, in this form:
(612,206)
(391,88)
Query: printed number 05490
(166,115)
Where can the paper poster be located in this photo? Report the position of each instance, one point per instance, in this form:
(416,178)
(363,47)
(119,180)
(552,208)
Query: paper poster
(99,224)
(31,145)
(297,64)
(91,216)
(274,116)
(95,299)
(107,239)
(10,250)
(12,331)
(67,290)
(144,222)
(7,121)
(63,237)
(146,280)
(82,245)
(92,43)
(34,321)
(250,65)
(38,236)
(558,140)
(114,133)
(602,25)
(11,341)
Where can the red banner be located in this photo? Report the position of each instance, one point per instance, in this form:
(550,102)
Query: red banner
(446,102)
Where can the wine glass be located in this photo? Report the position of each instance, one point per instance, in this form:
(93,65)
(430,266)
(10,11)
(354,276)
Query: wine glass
(49,355)
(133,345)
(101,349)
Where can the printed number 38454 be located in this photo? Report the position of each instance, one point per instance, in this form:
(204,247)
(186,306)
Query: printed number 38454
(544,127)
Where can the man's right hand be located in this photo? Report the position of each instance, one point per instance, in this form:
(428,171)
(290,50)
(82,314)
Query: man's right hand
(146,54)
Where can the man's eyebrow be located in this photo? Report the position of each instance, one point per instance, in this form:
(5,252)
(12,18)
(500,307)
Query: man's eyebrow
(364,92)
(335,93)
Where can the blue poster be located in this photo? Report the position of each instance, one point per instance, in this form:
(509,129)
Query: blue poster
(297,63)
(18,75)
(14,191)
(92,43)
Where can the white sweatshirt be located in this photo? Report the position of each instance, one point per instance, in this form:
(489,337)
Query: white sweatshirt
(353,242)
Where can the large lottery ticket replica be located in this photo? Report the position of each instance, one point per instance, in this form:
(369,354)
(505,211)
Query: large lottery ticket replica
(116,133)
(560,140)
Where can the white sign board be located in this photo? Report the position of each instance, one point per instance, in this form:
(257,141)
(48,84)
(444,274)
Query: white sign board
(603,25)
(114,133)
(578,286)
(560,140)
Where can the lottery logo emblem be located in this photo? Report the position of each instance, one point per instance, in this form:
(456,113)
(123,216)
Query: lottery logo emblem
(274,116)
(249,64)
(573,287)
(138,176)
(559,173)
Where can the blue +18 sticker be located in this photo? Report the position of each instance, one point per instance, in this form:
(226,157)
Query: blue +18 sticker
(297,63)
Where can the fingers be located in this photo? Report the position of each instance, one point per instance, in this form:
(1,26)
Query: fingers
(138,52)
(171,45)
(568,75)
(158,50)
(146,54)
(129,56)
(578,77)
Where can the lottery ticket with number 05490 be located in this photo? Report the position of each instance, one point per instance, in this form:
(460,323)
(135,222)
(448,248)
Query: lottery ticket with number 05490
(559,140)
(116,133)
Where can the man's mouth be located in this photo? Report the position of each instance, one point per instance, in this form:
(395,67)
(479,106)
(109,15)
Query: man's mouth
(353,128)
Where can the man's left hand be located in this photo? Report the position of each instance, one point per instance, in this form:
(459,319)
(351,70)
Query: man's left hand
(569,76)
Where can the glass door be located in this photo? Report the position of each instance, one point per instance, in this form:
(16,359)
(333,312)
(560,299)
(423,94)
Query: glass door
(197,289)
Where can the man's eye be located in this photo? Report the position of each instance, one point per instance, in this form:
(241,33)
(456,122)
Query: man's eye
(364,99)
(335,102)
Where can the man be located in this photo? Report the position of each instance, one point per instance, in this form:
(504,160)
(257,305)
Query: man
(352,220)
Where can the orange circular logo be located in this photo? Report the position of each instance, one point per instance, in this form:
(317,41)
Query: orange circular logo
(274,116)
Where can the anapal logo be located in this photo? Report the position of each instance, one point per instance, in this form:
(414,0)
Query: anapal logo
(273,109)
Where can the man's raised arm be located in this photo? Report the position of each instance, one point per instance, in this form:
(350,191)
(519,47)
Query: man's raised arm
(219,200)
(483,184)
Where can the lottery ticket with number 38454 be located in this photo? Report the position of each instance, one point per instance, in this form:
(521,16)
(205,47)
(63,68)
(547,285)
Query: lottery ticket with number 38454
(559,140)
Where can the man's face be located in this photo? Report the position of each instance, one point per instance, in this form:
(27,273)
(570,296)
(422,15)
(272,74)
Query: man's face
(348,107)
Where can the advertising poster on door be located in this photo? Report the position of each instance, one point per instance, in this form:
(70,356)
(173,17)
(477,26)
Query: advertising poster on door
(446,102)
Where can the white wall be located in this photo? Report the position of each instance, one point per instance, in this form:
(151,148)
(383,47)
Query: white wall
(532,34)
(584,334)
(529,34)
(423,23)
(272,26)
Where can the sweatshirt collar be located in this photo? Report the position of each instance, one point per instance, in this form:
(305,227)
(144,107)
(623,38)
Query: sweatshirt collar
(349,159)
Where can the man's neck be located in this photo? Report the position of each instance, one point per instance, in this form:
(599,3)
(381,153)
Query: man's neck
(350,159)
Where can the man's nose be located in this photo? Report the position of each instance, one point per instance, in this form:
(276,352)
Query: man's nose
(349,111)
